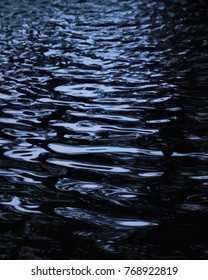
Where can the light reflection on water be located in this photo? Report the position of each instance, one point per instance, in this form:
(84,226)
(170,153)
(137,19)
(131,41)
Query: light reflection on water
(103,121)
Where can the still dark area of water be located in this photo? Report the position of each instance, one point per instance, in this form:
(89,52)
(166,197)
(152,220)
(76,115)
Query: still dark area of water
(103,129)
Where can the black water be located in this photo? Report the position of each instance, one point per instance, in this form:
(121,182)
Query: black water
(103,129)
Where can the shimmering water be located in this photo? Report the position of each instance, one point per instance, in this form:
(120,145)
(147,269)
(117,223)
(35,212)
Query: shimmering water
(103,129)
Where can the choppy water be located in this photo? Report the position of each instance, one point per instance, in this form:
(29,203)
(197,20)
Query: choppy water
(103,129)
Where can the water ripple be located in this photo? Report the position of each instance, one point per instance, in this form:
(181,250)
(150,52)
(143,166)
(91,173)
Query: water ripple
(102,220)
(103,125)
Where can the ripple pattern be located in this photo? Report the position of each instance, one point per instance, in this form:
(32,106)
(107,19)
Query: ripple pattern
(103,129)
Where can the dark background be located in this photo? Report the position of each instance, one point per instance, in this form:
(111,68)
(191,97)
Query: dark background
(103,129)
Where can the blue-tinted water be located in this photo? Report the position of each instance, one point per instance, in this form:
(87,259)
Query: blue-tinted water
(103,129)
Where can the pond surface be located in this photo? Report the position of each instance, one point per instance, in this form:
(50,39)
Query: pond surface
(103,129)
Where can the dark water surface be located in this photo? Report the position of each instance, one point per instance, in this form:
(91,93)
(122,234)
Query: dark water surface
(103,129)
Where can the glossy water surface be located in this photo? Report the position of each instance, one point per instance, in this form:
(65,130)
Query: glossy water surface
(103,129)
